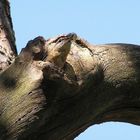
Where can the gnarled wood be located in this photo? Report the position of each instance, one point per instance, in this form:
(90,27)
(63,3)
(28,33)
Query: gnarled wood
(57,88)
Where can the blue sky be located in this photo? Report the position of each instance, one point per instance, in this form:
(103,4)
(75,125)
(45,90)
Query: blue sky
(98,21)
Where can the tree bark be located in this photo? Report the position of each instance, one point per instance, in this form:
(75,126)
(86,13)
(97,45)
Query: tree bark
(7,40)
(56,88)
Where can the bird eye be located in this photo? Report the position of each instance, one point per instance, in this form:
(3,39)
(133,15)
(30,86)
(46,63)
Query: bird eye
(59,40)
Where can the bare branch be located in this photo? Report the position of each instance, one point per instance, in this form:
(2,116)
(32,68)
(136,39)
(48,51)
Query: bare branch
(57,88)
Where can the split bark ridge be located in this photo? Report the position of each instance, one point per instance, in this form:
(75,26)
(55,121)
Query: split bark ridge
(56,88)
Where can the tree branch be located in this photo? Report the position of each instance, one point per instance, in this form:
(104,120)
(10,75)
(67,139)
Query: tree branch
(56,88)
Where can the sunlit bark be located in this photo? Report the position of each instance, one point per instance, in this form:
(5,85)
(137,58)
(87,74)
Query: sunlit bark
(54,89)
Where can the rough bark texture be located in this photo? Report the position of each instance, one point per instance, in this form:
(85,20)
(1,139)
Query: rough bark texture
(56,88)
(7,40)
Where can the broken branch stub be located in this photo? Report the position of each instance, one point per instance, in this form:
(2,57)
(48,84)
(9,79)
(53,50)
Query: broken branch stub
(25,76)
(65,63)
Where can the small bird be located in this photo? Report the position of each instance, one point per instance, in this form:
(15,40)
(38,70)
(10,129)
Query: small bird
(59,48)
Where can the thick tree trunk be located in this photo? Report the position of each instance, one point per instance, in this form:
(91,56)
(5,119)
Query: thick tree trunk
(7,40)
(54,89)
